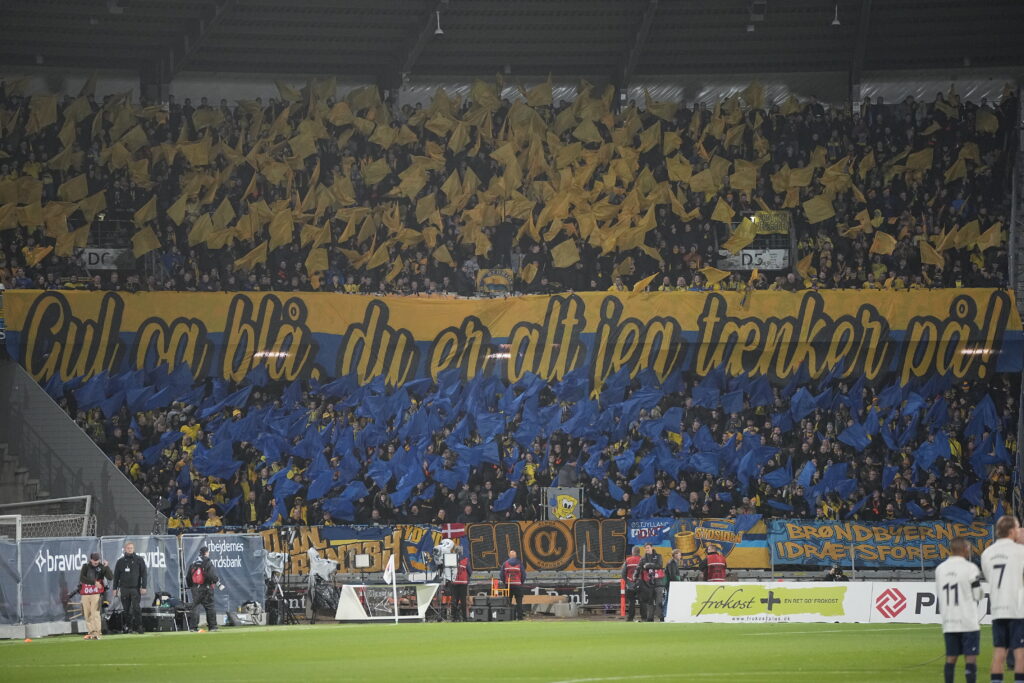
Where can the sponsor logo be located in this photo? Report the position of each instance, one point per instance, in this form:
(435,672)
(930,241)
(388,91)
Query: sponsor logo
(890,603)
(49,562)
(154,560)
(742,601)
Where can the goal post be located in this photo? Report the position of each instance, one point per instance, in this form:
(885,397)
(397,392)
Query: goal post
(50,518)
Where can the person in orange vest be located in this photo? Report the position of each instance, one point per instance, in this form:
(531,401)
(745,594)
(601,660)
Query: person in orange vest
(513,575)
(631,575)
(715,568)
(460,586)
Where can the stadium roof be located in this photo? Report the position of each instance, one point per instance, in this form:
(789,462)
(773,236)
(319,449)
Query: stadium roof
(617,39)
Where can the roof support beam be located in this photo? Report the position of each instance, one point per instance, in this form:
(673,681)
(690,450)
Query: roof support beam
(637,48)
(188,43)
(408,56)
(859,50)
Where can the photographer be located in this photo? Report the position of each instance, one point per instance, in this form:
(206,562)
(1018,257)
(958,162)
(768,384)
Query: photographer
(836,574)
(652,575)
(91,588)
(202,577)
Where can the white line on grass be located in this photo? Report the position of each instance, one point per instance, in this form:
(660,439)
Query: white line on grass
(886,629)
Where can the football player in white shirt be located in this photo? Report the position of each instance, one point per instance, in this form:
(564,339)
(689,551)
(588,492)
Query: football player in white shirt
(958,587)
(1003,565)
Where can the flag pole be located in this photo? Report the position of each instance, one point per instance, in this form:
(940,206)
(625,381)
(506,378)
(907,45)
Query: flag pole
(394,585)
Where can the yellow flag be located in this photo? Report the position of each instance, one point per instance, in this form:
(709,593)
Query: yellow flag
(565,254)
(316,260)
(587,132)
(643,284)
(376,171)
(714,275)
(957,171)
(985,121)
(803,266)
(790,106)
(650,137)
(33,255)
(281,228)
(929,255)
(539,95)
(529,272)
(723,212)
(442,255)
(743,236)
(818,209)
(968,235)
(932,129)
(146,213)
(144,241)
(379,258)
(993,237)
(224,214)
(921,161)
(884,243)
(73,189)
(67,242)
(950,240)
(396,268)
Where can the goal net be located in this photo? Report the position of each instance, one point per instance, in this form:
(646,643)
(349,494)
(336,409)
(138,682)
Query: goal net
(51,518)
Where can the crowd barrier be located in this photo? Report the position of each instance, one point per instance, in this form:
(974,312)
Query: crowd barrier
(856,602)
(39,576)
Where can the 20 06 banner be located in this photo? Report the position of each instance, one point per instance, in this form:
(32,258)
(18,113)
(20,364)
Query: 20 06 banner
(963,333)
(871,544)
(544,546)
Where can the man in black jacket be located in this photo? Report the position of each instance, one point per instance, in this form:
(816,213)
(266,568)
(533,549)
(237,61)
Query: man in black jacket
(130,586)
(202,577)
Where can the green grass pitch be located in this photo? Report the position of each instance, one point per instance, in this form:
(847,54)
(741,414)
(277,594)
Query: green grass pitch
(541,651)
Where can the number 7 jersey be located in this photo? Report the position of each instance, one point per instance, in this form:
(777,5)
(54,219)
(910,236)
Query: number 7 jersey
(958,587)
(1003,565)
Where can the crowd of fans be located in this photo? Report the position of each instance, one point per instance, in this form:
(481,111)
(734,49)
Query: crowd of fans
(306,192)
(310,193)
(923,451)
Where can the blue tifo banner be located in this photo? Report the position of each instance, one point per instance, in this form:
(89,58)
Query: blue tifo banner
(871,544)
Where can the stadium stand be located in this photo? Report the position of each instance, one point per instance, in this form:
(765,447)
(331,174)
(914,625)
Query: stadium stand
(309,193)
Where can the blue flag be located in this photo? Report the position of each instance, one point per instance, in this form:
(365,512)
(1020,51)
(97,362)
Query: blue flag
(505,500)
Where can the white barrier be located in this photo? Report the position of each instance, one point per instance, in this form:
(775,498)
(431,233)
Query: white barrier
(858,602)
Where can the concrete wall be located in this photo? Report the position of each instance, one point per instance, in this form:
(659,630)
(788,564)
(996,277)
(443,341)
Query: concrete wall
(64,458)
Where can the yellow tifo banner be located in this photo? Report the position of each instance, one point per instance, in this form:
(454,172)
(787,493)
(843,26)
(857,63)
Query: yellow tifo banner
(967,333)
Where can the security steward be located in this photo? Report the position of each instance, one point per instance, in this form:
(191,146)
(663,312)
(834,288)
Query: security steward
(514,576)
(715,567)
(130,586)
(460,586)
(631,575)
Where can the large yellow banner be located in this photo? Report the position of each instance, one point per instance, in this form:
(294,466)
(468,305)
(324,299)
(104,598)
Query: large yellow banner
(965,333)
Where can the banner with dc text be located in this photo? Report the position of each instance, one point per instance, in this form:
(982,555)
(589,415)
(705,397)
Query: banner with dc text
(964,334)
(871,544)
